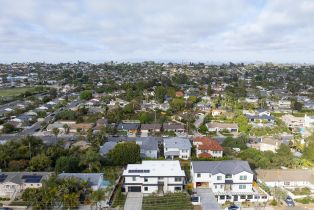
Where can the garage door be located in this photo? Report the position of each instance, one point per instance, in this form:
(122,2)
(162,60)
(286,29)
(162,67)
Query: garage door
(134,189)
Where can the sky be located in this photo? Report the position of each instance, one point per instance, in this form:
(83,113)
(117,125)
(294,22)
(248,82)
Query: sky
(280,31)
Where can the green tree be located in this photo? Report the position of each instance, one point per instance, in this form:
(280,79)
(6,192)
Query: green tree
(53,93)
(124,153)
(39,163)
(309,149)
(295,105)
(203,129)
(177,104)
(55,132)
(66,128)
(243,123)
(86,95)
(8,128)
(146,117)
(209,90)
(67,164)
(283,156)
(98,196)
(91,160)
(160,93)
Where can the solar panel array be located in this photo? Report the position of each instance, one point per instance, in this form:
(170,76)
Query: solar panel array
(138,171)
(3,177)
(32,178)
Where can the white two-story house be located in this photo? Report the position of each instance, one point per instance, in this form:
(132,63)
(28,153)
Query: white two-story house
(177,148)
(229,180)
(154,176)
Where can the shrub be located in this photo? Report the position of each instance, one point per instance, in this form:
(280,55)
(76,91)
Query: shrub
(274,203)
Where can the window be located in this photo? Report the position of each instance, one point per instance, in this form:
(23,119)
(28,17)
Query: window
(219,177)
(145,188)
(286,183)
(215,186)
(145,179)
(243,177)
(177,188)
(222,197)
(198,175)
(242,196)
(133,178)
(177,179)
(160,178)
(228,176)
(242,186)
(250,197)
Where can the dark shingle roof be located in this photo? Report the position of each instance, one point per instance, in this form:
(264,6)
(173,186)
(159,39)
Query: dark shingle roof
(128,126)
(104,149)
(224,167)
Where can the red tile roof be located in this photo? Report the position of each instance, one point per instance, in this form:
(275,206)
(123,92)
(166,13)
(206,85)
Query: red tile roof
(208,144)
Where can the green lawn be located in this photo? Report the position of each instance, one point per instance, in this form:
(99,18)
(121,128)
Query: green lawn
(170,201)
(9,92)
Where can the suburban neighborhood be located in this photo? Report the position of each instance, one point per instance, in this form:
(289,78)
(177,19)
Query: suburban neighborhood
(208,136)
(157,105)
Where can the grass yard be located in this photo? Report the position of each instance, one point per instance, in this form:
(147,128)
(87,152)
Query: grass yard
(11,92)
(170,201)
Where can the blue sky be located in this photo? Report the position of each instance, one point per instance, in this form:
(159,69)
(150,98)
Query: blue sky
(163,30)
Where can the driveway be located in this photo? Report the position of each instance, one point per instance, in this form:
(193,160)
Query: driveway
(133,201)
(208,200)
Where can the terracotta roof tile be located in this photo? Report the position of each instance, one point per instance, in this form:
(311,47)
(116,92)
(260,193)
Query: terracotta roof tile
(208,144)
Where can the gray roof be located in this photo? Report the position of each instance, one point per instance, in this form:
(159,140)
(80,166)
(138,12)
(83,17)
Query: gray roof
(128,126)
(147,144)
(133,139)
(153,126)
(177,142)
(104,149)
(91,178)
(172,126)
(224,167)
(23,177)
(262,117)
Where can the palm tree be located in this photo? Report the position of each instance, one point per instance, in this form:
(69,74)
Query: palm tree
(98,196)
(66,128)
(4,155)
(55,132)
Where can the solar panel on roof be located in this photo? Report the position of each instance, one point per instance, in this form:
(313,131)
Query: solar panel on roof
(138,171)
(31,178)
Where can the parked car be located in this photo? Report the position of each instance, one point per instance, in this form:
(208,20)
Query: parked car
(233,207)
(289,201)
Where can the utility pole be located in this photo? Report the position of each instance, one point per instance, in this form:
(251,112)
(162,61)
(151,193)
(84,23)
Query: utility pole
(30,151)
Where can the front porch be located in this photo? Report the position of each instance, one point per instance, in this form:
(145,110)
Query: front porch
(231,196)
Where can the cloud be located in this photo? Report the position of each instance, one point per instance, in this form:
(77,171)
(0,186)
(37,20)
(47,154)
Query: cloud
(197,30)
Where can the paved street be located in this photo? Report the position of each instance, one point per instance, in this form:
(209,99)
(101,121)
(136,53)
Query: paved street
(200,119)
(208,200)
(133,201)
